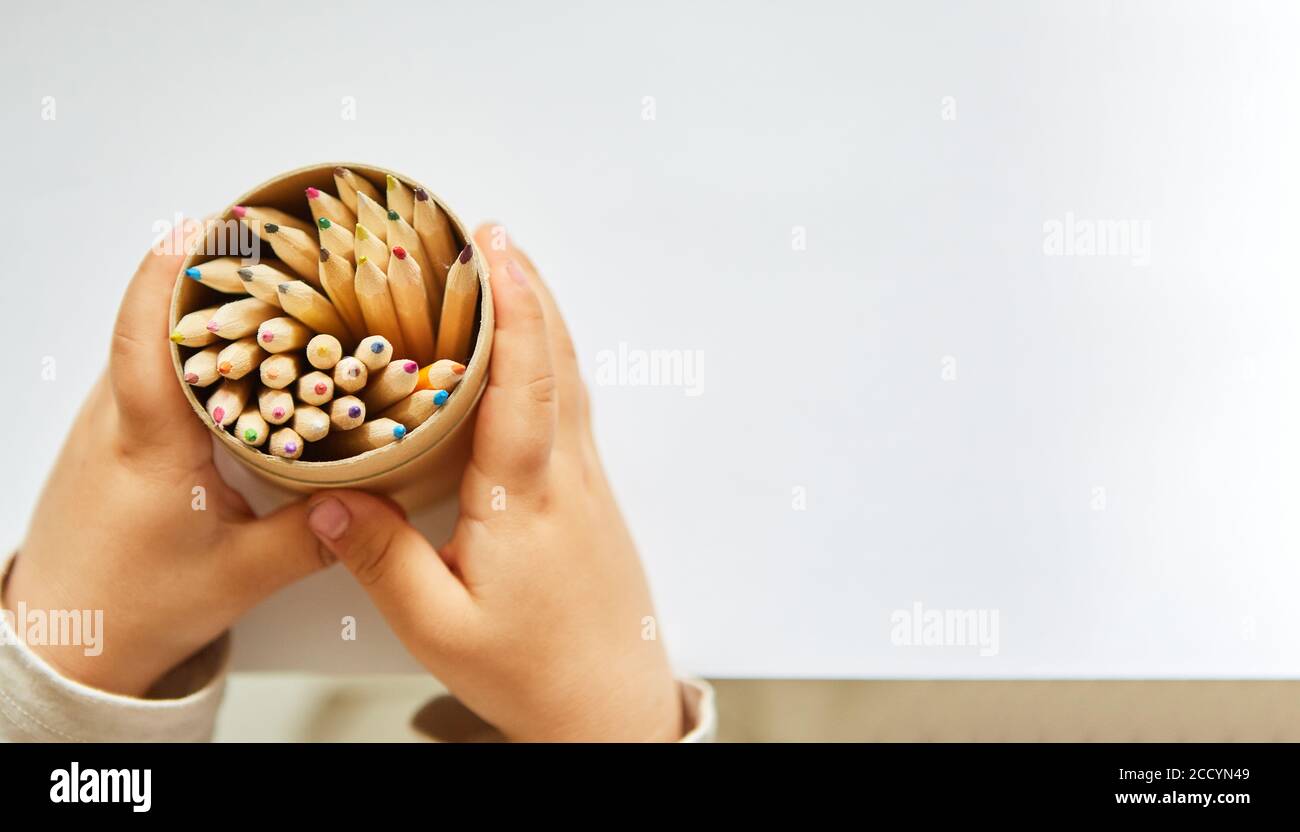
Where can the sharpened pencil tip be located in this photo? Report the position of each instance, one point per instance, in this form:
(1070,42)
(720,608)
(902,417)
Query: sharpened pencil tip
(194,273)
(246,275)
(283,288)
(440,398)
(225,368)
(392,182)
(399,432)
(271,228)
(324,223)
(411,367)
(393,215)
(362,259)
(213,326)
(239,211)
(218,414)
(250,435)
(421,194)
(191,378)
(278,412)
(465,255)
(399,252)
(324,254)
(377,347)
(340,171)
(458,369)
(291,447)
(354,411)
(312,193)
(321,388)
(176,337)
(363,233)
(268,337)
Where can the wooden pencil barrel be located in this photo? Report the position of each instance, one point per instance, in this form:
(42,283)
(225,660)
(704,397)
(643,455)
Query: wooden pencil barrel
(426,464)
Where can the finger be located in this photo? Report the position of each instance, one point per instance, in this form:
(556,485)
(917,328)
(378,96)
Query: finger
(573,418)
(140,358)
(424,603)
(517,415)
(272,552)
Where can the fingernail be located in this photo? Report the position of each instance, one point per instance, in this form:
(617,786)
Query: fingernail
(517,273)
(329,519)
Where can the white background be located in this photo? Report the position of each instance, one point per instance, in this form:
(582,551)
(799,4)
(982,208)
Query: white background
(1172,387)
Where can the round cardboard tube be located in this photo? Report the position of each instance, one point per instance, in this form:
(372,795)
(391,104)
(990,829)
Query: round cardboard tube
(417,470)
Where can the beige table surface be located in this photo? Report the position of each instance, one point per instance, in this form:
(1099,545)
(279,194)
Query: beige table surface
(295,707)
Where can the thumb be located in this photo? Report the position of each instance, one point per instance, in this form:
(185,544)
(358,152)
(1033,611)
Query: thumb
(408,581)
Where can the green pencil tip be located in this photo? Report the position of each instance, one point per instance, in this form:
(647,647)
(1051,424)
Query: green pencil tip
(393,215)
(250,435)
(323,223)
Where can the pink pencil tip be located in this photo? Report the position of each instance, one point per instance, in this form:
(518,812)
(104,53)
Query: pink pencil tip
(278,413)
(267,337)
(312,193)
(191,378)
(218,414)
(240,211)
(213,326)
(411,367)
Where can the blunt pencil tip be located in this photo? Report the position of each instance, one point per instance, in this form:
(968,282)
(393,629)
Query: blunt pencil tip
(465,254)
(399,252)
(312,193)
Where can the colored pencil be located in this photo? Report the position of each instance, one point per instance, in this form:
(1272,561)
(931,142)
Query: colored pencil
(326,206)
(192,330)
(394,382)
(279,371)
(334,237)
(347,412)
(315,388)
(228,400)
(238,358)
(324,351)
(257,217)
(370,435)
(283,334)
(413,410)
(261,280)
(434,229)
(221,274)
(400,233)
(298,250)
(400,198)
(251,428)
(440,375)
(286,443)
(375,352)
(367,244)
(201,368)
(411,303)
(376,303)
(372,215)
(348,183)
(311,423)
(338,279)
(312,308)
(350,375)
(240,318)
(276,406)
(458,306)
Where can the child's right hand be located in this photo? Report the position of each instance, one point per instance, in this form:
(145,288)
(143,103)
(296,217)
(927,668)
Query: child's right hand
(533,615)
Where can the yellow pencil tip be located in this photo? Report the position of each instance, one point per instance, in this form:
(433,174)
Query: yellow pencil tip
(392,182)
(363,233)
(176,337)
(362,259)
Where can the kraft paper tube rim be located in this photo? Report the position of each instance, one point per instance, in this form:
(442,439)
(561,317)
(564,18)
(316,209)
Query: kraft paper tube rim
(443,425)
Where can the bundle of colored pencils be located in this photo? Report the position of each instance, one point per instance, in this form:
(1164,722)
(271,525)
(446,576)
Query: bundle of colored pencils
(353,337)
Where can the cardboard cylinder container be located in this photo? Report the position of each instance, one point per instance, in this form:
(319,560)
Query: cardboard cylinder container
(418,469)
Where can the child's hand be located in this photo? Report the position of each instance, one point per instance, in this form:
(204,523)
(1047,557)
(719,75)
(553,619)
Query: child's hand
(117,528)
(534,613)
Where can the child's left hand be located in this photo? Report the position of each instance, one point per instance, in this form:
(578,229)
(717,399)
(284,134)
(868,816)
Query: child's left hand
(118,527)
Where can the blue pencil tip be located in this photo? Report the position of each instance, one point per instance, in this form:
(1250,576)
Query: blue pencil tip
(192,272)
(399,432)
(377,347)
(440,398)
